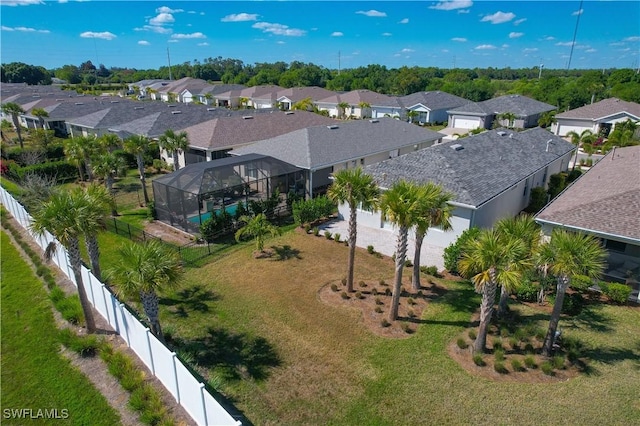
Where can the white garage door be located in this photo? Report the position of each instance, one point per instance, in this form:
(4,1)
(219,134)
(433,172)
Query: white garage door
(465,123)
(563,129)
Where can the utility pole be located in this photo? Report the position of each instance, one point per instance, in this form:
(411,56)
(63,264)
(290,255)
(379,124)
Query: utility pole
(338,62)
(540,71)
(169,61)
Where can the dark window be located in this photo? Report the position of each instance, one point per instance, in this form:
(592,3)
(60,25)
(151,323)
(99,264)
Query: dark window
(615,246)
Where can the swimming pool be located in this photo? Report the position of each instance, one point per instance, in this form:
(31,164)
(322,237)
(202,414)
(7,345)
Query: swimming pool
(231,209)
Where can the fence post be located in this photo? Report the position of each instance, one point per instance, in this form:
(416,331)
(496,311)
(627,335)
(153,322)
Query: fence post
(129,230)
(93,297)
(126,326)
(204,404)
(175,376)
(152,366)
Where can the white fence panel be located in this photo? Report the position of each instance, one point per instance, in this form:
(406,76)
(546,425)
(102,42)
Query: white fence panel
(164,364)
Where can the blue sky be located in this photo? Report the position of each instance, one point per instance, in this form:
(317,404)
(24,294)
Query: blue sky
(446,34)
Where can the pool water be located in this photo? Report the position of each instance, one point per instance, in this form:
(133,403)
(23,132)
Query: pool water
(231,209)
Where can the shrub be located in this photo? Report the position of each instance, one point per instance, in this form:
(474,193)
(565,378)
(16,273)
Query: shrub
(500,367)
(472,334)
(408,263)
(362,283)
(316,231)
(497,345)
(528,348)
(327,235)
(70,309)
(385,323)
(547,368)
(84,346)
(558,362)
(462,344)
(410,301)
(499,355)
(381,282)
(454,251)
(405,327)
(334,287)
(370,249)
(516,365)
(537,200)
(411,314)
(379,302)
(119,365)
(359,295)
(387,291)
(514,343)
(581,283)
(132,379)
(378,309)
(527,291)
(572,304)
(530,362)
(343,281)
(344,295)
(374,291)
(41,270)
(557,183)
(336,237)
(478,360)
(617,293)
(430,270)
(307,228)
(308,211)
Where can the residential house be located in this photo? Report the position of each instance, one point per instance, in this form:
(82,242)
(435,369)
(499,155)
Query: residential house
(178,90)
(430,107)
(323,150)
(600,117)
(286,98)
(208,94)
(256,97)
(490,176)
(605,202)
(482,115)
(361,104)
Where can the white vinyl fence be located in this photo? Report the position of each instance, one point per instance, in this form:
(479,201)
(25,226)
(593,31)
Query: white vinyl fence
(164,364)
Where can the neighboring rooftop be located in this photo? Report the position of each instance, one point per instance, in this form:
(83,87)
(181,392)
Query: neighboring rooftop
(602,109)
(433,100)
(519,105)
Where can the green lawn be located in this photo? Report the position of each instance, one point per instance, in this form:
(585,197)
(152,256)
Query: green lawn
(34,374)
(284,357)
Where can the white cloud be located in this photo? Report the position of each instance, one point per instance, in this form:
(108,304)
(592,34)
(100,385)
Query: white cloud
(498,17)
(20,2)
(162,19)
(387,34)
(144,43)
(591,50)
(172,41)
(485,47)
(105,35)
(188,36)
(633,38)
(406,50)
(515,35)
(337,34)
(519,21)
(240,17)
(463,11)
(25,29)
(404,21)
(280,42)
(155,29)
(616,44)
(550,38)
(278,29)
(372,13)
(460,39)
(203,44)
(530,50)
(564,43)
(165,9)
(577,12)
(452,5)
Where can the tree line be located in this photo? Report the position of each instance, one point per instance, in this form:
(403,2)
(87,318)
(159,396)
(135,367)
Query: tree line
(565,89)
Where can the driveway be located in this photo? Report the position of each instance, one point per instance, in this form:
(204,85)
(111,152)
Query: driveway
(384,241)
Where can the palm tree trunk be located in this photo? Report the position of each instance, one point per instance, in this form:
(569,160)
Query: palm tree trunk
(108,182)
(76,265)
(415,282)
(486,310)
(150,305)
(94,255)
(176,161)
(401,253)
(87,168)
(561,289)
(143,180)
(353,234)
(16,123)
(502,306)
(575,157)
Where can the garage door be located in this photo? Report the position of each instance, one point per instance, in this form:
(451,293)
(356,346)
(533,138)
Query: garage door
(563,129)
(466,123)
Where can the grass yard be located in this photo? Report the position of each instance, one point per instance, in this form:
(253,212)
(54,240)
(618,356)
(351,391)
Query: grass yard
(34,374)
(257,329)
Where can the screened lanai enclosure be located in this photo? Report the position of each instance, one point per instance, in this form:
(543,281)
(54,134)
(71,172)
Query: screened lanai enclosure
(186,198)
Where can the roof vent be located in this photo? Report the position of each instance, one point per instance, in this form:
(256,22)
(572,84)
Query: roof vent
(176,112)
(58,100)
(138,107)
(211,109)
(374,120)
(457,147)
(247,117)
(79,103)
(332,126)
(115,102)
(501,133)
(171,106)
(289,113)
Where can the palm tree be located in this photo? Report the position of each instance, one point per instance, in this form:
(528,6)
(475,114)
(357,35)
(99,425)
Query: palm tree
(305,104)
(578,140)
(365,109)
(568,255)
(143,269)
(63,215)
(108,142)
(257,227)
(41,114)
(411,114)
(137,145)
(342,109)
(509,117)
(525,229)
(14,110)
(401,206)
(435,212)
(357,189)
(74,151)
(98,202)
(174,143)
(108,166)
(490,259)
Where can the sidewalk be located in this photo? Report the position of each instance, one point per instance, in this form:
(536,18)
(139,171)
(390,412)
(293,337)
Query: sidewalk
(384,241)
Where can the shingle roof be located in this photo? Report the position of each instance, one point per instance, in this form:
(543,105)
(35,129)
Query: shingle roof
(604,108)
(487,164)
(320,146)
(606,199)
(519,105)
(434,100)
(224,132)
(296,94)
(354,97)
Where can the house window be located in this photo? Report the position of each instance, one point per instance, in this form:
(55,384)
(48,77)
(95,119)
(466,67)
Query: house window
(615,246)
(362,161)
(252,171)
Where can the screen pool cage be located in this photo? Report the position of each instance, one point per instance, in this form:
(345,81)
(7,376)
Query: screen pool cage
(186,198)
